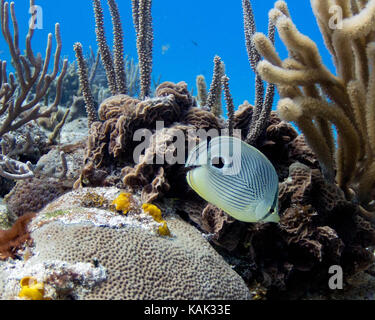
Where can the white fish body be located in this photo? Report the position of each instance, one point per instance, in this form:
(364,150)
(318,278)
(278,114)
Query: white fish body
(236,178)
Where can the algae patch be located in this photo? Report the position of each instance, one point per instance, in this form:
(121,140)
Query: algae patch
(55,214)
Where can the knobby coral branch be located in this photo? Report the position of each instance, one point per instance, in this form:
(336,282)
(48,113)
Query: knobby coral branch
(214,95)
(84,82)
(263,104)
(105,52)
(118,39)
(230,105)
(253,55)
(143,25)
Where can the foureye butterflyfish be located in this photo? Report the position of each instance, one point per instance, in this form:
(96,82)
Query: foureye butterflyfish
(236,178)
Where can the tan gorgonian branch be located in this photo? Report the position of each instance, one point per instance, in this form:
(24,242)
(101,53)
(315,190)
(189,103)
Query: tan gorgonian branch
(266,48)
(366,183)
(370,98)
(275,74)
(357,96)
(322,13)
(349,144)
(316,99)
(283,8)
(290,111)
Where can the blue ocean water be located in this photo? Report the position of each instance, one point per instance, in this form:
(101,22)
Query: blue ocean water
(187,35)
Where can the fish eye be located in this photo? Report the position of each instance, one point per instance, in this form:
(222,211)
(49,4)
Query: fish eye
(218,162)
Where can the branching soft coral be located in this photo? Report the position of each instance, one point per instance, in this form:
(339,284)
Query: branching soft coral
(315,99)
(30,72)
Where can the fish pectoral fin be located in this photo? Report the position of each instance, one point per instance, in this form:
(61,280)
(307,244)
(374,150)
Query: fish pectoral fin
(272,218)
(261,210)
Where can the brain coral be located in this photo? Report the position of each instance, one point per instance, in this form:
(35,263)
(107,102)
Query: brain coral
(139,263)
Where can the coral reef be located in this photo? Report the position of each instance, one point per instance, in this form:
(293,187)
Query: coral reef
(315,216)
(125,164)
(172,105)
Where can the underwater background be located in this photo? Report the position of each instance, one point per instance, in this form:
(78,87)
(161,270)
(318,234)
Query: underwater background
(187,36)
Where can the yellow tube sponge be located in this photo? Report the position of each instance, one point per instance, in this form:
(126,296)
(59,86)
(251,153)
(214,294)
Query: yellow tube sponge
(31,289)
(164,230)
(155,212)
(123,202)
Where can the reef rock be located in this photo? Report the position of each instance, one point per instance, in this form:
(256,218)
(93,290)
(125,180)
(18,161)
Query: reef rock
(49,182)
